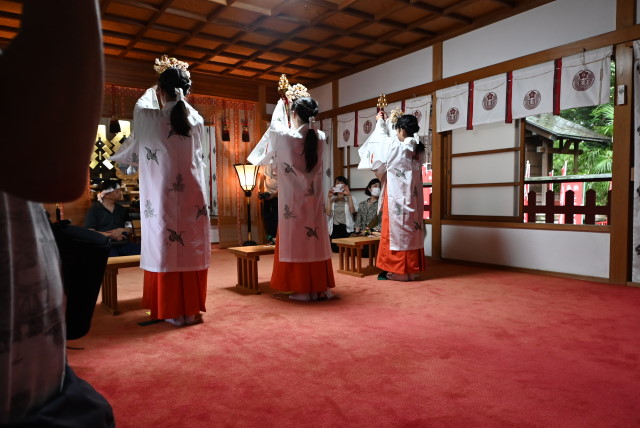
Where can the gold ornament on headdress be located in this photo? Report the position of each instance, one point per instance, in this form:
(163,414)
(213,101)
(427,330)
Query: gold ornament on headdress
(164,62)
(283,85)
(395,115)
(291,93)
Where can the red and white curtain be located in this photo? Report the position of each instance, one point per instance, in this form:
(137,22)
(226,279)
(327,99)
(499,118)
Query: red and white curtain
(451,107)
(532,90)
(585,78)
(579,80)
(365,124)
(346,129)
(420,107)
(489,100)
(326,125)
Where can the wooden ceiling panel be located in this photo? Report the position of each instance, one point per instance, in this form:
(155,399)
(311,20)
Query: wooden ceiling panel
(224,31)
(115,40)
(182,23)
(148,57)
(121,27)
(203,43)
(240,50)
(141,14)
(195,6)
(11,6)
(165,36)
(315,41)
(190,53)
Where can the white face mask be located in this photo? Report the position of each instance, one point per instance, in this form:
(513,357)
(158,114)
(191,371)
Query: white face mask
(375,192)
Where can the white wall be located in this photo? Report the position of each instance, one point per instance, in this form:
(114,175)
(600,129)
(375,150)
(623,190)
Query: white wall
(323,95)
(402,73)
(553,24)
(578,253)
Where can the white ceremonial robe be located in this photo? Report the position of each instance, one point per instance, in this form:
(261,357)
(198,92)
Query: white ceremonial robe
(399,168)
(173,205)
(302,225)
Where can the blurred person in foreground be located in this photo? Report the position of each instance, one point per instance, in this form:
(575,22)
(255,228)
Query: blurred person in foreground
(37,386)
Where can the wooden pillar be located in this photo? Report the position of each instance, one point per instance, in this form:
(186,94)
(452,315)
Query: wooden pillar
(437,160)
(621,191)
(338,154)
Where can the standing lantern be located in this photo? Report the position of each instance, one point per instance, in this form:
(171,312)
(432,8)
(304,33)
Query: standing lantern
(247,174)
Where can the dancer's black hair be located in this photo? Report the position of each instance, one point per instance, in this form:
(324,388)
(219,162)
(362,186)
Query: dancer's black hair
(169,80)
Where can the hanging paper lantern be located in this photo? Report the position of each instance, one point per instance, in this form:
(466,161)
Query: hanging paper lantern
(245,132)
(225,132)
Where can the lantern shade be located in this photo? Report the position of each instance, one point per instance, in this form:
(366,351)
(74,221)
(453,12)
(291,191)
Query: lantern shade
(102,133)
(247,174)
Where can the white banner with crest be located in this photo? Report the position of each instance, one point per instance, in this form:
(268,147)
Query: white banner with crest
(586,79)
(532,91)
(366,123)
(346,129)
(451,107)
(490,100)
(420,107)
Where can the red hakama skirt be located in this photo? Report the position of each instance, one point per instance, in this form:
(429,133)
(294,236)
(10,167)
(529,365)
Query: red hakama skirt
(301,277)
(174,294)
(400,262)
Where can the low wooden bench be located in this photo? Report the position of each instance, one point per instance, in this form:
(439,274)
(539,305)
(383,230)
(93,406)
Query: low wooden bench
(110,282)
(247,262)
(350,255)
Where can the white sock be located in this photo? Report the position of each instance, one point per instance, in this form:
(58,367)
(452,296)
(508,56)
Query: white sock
(304,297)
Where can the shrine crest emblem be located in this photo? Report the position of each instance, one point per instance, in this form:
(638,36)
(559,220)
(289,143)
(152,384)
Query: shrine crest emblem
(532,99)
(453,114)
(367,126)
(583,80)
(418,115)
(489,101)
(345,135)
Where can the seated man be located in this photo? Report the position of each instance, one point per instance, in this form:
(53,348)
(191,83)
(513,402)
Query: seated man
(108,217)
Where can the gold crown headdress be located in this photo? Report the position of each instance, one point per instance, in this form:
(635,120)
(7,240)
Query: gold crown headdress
(164,62)
(395,115)
(291,92)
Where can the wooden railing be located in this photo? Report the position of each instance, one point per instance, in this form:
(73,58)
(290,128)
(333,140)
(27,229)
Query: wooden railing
(549,209)
(590,210)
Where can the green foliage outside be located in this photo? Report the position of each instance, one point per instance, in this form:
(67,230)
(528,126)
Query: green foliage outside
(596,157)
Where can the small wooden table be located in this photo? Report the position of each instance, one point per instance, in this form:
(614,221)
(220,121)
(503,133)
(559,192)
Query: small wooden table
(247,261)
(110,281)
(351,255)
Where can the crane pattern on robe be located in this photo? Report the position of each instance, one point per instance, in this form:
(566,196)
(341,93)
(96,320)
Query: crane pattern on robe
(201,212)
(148,209)
(152,155)
(400,173)
(397,210)
(178,185)
(288,169)
(311,232)
(288,213)
(175,237)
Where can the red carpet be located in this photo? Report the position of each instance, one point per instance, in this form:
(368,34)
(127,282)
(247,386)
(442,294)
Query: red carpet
(465,347)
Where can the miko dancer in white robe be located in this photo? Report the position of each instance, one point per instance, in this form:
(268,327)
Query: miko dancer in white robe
(302,264)
(176,246)
(397,162)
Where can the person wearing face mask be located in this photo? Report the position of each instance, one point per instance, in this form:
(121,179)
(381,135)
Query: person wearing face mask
(368,217)
(340,209)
